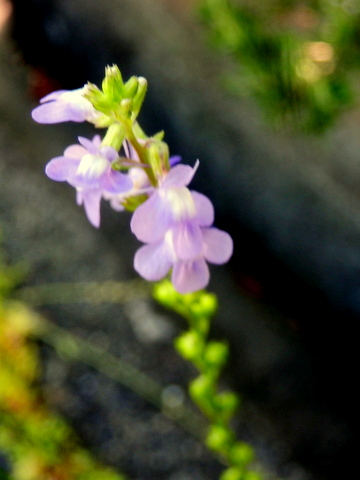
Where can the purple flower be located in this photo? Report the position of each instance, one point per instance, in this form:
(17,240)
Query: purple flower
(65,106)
(88,168)
(175,223)
(141,183)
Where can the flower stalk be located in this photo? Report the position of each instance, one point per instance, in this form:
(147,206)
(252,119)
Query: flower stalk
(209,357)
(133,171)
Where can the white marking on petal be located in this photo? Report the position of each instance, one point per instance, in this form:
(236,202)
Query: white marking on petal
(169,242)
(180,201)
(92,166)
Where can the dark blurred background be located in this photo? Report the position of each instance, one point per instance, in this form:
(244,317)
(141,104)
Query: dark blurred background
(272,114)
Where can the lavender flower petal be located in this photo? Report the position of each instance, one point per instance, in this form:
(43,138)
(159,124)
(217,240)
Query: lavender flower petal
(190,276)
(115,182)
(187,240)
(204,209)
(75,151)
(152,261)
(91,200)
(63,106)
(61,168)
(91,146)
(179,176)
(151,220)
(218,245)
(174,160)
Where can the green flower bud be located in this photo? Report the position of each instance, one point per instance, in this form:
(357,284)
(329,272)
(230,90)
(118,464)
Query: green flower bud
(116,98)
(219,438)
(252,475)
(209,303)
(241,454)
(201,388)
(131,87)
(159,158)
(189,345)
(232,473)
(125,107)
(216,354)
(165,293)
(139,96)
(112,84)
(197,310)
(227,403)
(100,102)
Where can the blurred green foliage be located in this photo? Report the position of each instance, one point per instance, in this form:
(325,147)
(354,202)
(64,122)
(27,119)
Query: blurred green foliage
(297,58)
(35,443)
(210,357)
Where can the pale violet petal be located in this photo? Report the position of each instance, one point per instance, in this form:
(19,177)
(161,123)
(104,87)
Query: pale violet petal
(57,112)
(61,169)
(151,219)
(53,96)
(190,276)
(116,182)
(218,245)
(109,153)
(187,240)
(152,262)
(91,200)
(75,151)
(179,176)
(89,145)
(115,202)
(204,209)
(83,182)
(96,140)
(174,160)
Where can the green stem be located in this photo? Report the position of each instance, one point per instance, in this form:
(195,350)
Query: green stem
(73,347)
(142,154)
(114,136)
(209,357)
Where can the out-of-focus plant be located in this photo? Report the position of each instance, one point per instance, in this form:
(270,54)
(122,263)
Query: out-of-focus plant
(35,443)
(209,358)
(135,172)
(10,275)
(296,58)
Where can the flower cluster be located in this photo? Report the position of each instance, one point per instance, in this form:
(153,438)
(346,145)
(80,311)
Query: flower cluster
(173,222)
(88,168)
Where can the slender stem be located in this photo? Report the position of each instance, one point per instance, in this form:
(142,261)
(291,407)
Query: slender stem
(142,154)
(89,292)
(73,347)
